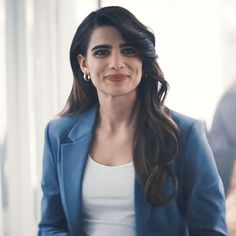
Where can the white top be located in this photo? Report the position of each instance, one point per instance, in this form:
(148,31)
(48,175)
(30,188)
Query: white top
(108,200)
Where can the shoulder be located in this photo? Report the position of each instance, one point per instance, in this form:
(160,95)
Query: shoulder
(194,148)
(192,131)
(226,107)
(187,125)
(61,127)
(195,156)
(229,94)
(195,159)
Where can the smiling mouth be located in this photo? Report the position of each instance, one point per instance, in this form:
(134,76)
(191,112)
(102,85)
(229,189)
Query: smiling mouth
(117,77)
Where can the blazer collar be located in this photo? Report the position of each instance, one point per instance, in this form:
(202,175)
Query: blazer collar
(84,125)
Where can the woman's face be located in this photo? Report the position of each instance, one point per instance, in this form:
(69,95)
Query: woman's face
(113,65)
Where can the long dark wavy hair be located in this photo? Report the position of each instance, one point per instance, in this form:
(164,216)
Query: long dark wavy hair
(156,136)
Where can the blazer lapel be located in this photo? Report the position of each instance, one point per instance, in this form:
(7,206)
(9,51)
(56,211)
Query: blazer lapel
(73,160)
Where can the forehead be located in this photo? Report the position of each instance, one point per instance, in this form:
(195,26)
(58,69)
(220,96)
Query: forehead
(105,35)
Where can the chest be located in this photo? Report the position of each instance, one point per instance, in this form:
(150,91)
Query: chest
(111,149)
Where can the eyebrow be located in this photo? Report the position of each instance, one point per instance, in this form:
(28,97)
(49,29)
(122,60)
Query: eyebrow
(106,46)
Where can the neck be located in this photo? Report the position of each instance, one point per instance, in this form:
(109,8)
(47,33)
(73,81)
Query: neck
(116,112)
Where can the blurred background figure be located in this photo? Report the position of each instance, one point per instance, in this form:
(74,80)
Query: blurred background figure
(222,138)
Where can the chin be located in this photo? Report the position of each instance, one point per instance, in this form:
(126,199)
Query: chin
(122,93)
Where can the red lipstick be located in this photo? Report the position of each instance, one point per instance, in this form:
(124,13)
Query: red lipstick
(116,77)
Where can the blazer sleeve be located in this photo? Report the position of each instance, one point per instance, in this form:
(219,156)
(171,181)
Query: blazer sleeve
(203,189)
(53,220)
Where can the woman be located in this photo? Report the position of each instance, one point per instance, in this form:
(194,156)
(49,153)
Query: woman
(117,161)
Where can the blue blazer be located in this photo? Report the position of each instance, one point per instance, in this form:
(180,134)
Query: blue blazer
(199,209)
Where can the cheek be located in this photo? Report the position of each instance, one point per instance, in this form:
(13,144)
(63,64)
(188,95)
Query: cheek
(95,66)
(96,71)
(139,69)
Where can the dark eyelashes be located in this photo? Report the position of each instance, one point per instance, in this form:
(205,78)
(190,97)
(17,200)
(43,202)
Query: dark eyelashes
(129,51)
(101,52)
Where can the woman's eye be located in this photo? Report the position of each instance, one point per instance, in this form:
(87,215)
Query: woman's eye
(101,53)
(129,51)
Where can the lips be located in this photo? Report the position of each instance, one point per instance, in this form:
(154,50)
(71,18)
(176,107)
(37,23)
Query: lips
(117,77)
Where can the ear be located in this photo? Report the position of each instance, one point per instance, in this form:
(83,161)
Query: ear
(83,64)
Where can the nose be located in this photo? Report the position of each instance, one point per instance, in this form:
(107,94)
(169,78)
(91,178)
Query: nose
(116,60)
